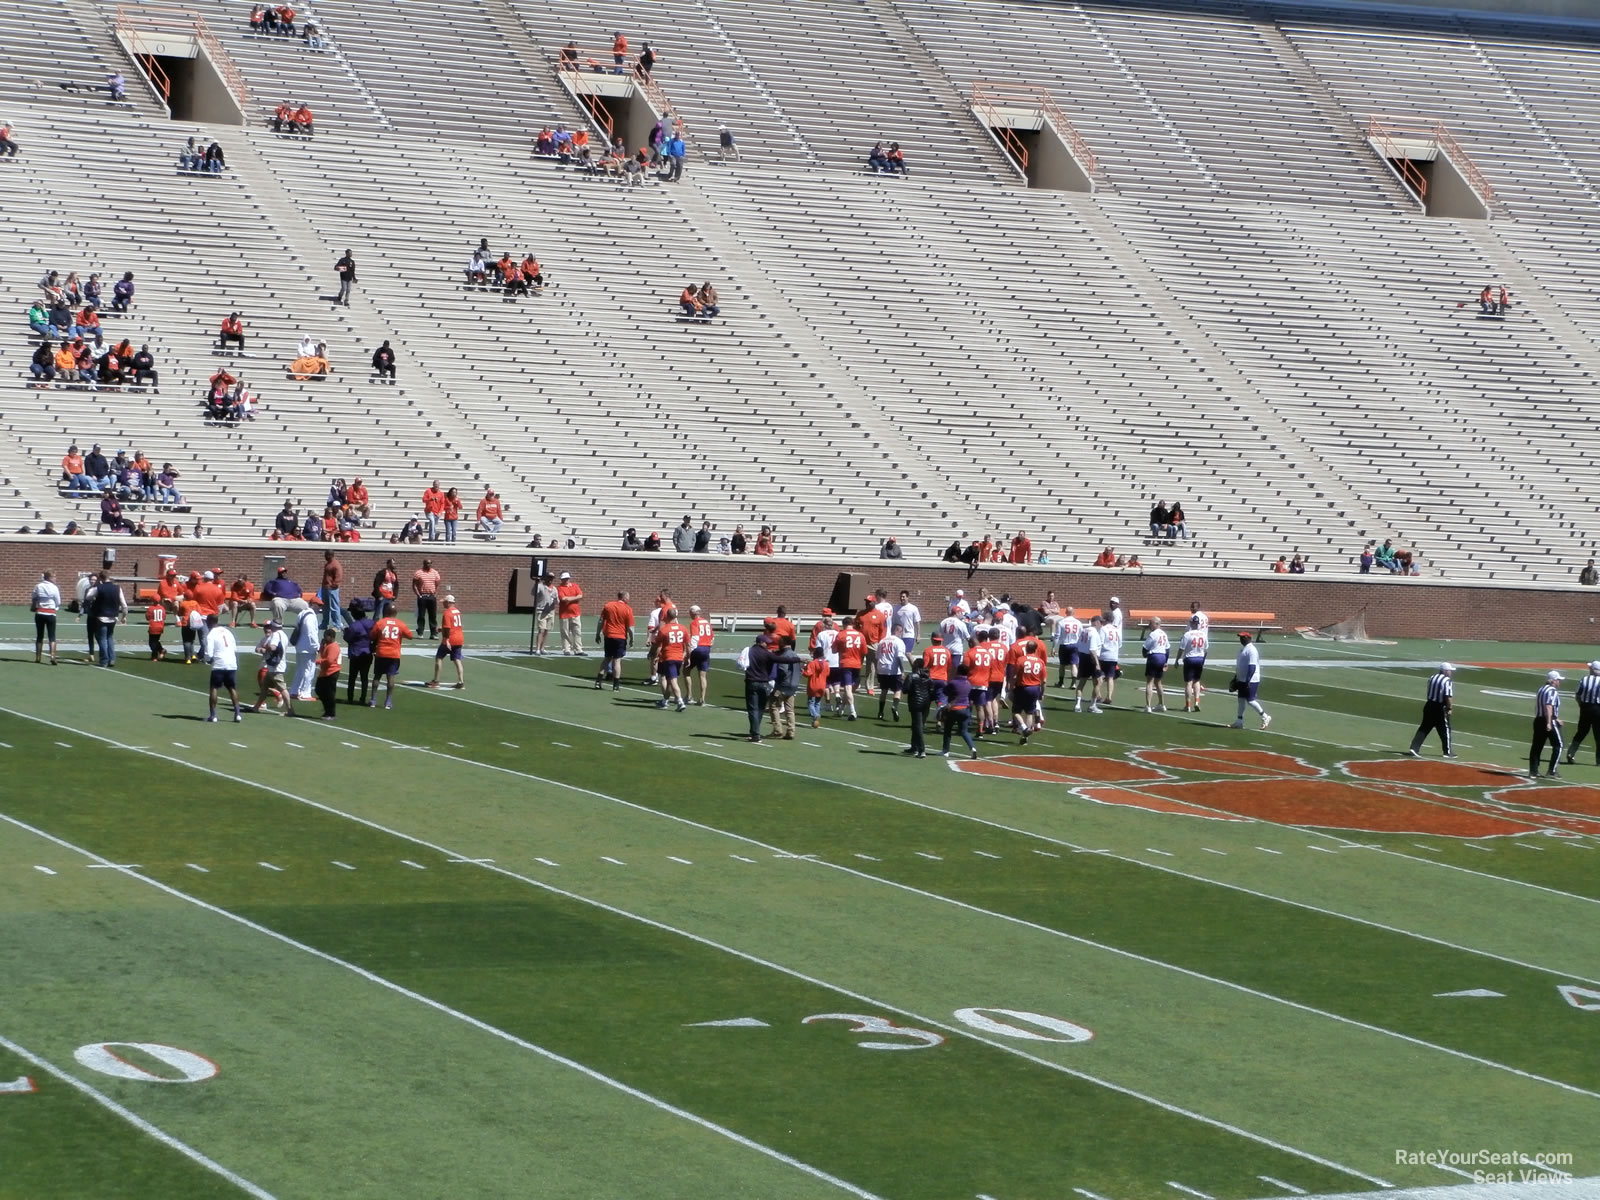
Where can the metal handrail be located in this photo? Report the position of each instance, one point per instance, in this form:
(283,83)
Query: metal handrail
(143,18)
(1410,175)
(1384,129)
(987,96)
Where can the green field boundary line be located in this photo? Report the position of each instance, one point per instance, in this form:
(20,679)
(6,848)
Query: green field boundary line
(418,997)
(128,1115)
(660,926)
(864,875)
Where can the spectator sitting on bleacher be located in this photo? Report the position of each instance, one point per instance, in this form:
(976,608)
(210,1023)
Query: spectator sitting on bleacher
(232,331)
(191,156)
(1160,520)
(117,86)
(39,319)
(489,513)
(383,361)
(532,273)
(66,362)
(411,532)
(636,166)
(652,544)
(1281,567)
(122,293)
(766,541)
(88,369)
(897,159)
(111,514)
(563,144)
(1297,564)
(630,539)
(569,56)
(215,160)
(8,148)
(478,269)
(126,477)
(689,301)
(282,118)
(581,148)
(61,317)
(357,500)
(258,18)
(313,37)
(87,324)
(544,145)
(167,486)
(286,523)
(285,20)
(312,366)
(878,157)
(512,280)
(1106,558)
(91,292)
(111,367)
(303,121)
(708,300)
(43,365)
(98,467)
(73,473)
(311,528)
(50,285)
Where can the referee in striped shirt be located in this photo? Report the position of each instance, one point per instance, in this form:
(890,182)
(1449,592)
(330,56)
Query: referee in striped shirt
(1546,725)
(1436,712)
(1588,699)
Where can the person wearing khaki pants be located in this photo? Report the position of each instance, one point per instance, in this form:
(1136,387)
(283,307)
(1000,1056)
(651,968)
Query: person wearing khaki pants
(785,685)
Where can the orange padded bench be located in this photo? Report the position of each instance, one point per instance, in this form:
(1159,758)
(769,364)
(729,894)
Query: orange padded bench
(1251,622)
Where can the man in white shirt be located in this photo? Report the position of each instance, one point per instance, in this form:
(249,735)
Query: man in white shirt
(44,604)
(1156,646)
(907,616)
(955,633)
(653,623)
(826,637)
(305,642)
(893,666)
(1197,614)
(1247,678)
(1114,616)
(1068,628)
(1110,654)
(1192,651)
(960,605)
(1007,621)
(1088,665)
(274,651)
(221,653)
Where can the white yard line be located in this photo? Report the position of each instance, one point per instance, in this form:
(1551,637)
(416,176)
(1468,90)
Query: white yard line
(418,997)
(133,1118)
(958,1030)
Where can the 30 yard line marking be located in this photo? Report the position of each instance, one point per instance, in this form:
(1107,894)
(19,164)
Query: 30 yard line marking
(418,997)
(138,1122)
(958,1030)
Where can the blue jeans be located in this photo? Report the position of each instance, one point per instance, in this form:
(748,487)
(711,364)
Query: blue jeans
(433,526)
(333,613)
(190,162)
(83,482)
(814,707)
(958,721)
(449,531)
(756,696)
(42,372)
(168,495)
(105,641)
(42,327)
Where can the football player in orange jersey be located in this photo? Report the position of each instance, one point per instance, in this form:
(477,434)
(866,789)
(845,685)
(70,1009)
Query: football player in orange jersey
(701,635)
(452,644)
(155,615)
(1027,702)
(852,646)
(388,632)
(672,647)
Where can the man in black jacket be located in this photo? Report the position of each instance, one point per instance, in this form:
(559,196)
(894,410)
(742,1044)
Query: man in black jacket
(346,267)
(919,698)
(383,361)
(758,683)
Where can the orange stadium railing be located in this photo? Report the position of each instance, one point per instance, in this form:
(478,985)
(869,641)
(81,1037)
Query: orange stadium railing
(988,98)
(153,19)
(590,61)
(1384,130)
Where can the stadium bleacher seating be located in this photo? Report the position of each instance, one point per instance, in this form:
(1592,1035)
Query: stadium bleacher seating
(1251,316)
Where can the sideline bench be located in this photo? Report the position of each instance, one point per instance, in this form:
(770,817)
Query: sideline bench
(1257,623)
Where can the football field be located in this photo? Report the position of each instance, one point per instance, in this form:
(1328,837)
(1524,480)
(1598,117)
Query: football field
(536,939)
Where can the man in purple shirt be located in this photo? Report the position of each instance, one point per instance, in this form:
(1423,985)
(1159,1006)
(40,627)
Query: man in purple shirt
(358,637)
(279,591)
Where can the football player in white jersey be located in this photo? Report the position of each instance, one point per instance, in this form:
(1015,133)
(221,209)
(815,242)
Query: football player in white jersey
(1110,654)
(1068,627)
(1192,650)
(1156,646)
(1088,664)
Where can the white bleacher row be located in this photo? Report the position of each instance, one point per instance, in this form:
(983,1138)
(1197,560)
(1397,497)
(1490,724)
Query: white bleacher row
(1473,430)
(619,414)
(199,247)
(1038,380)
(46,50)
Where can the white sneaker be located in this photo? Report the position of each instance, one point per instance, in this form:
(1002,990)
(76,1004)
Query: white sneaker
(1266,721)
(1148,709)
(1094,708)
(1239,724)
(1413,754)
(1161,708)
(1077,706)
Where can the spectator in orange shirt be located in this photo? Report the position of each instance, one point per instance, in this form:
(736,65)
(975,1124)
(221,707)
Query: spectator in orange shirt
(208,595)
(330,661)
(452,645)
(489,519)
(433,507)
(569,610)
(613,633)
(619,54)
(689,300)
(783,627)
(242,598)
(816,673)
(282,116)
(766,541)
(451,513)
(1106,558)
(357,500)
(1021,549)
(302,122)
(232,331)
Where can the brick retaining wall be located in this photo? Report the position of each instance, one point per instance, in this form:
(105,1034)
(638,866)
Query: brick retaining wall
(481,578)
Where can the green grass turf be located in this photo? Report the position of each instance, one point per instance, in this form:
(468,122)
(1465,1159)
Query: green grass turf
(612,992)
